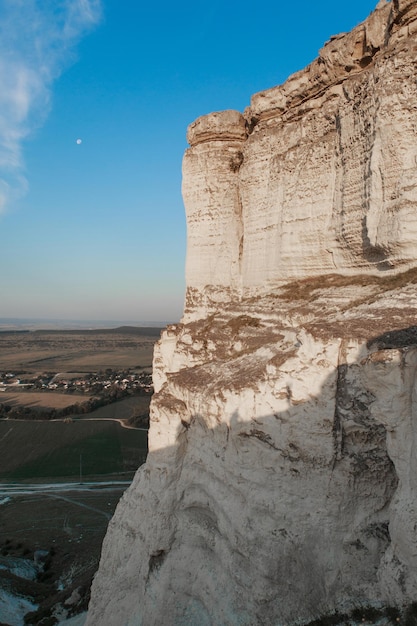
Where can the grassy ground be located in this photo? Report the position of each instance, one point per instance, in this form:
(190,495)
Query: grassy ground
(69,526)
(71,532)
(33,450)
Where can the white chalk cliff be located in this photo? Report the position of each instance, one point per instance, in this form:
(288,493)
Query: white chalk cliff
(281,481)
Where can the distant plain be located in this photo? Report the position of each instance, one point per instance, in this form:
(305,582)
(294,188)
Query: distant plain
(77,350)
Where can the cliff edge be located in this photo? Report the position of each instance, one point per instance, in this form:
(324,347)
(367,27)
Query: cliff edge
(281,481)
(316,177)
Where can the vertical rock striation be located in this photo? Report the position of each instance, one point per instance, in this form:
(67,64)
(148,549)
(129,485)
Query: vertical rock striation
(323,179)
(280,482)
(214,214)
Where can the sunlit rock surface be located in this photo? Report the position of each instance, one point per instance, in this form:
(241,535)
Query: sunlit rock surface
(281,478)
(317,176)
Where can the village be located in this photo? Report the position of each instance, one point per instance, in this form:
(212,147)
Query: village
(127,381)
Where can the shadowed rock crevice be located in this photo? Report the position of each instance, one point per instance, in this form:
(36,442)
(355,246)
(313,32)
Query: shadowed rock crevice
(403,338)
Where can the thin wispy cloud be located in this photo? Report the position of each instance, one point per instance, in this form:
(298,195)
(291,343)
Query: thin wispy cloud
(38,41)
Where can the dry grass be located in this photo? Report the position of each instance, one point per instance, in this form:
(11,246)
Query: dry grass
(309,289)
(41,399)
(242,321)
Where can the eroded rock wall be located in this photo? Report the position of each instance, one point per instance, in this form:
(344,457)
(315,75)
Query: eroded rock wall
(271,494)
(280,482)
(323,180)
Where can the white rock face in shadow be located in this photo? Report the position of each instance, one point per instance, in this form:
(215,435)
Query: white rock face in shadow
(280,483)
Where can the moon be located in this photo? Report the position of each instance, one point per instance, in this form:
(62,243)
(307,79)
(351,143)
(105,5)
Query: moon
(79,141)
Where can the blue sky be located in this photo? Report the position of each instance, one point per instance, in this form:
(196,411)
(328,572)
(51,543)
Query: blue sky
(96,230)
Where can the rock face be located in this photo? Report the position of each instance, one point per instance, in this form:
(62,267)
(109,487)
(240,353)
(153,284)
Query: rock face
(317,176)
(281,481)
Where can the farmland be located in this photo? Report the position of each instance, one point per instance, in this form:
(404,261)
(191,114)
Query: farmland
(54,450)
(85,447)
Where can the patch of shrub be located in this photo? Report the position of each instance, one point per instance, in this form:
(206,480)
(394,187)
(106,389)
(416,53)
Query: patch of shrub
(236,161)
(237,323)
(410,615)
(329,620)
(393,613)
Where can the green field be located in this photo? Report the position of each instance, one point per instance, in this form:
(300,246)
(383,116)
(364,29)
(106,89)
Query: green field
(40,450)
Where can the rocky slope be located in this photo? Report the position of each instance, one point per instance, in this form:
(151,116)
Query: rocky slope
(280,484)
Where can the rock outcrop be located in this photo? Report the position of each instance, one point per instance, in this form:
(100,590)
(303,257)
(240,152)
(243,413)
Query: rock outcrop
(317,176)
(280,484)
